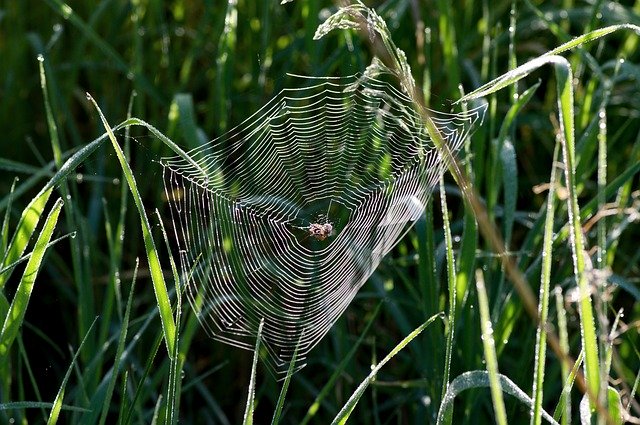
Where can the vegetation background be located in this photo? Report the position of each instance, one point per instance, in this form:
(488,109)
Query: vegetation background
(200,68)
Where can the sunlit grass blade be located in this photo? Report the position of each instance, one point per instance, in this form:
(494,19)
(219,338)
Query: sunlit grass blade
(338,371)
(563,409)
(28,184)
(57,403)
(24,229)
(28,255)
(564,80)
(614,406)
(481,379)
(157,276)
(120,348)
(490,351)
(347,409)
(85,295)
(18,307)
(285,386)
(115,241)
(525,69)
(543,306)
(451,283)
(177,360)
(251,402)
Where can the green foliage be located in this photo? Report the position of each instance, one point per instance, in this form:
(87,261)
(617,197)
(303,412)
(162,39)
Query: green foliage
(562,190)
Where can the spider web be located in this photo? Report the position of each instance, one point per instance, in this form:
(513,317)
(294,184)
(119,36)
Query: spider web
(348,152)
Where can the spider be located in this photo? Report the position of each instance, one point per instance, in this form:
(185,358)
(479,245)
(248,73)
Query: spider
(320,231)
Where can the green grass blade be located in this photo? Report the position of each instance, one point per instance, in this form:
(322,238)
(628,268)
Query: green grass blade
(128,419)
(564,79)
(19,304)
(26,257)
(451,281)
(85,295)
(123,392)
(179,357)
(550,57)
(157,277)
(24,229)
(632,393)
(614,405)
(285,386)
(566,114)
(251,402)
(57,403)
(563,409)
(121,343)
(543,306)
(490,351)
(345,412)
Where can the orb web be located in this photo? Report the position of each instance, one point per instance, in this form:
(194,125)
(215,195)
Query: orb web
(285,217)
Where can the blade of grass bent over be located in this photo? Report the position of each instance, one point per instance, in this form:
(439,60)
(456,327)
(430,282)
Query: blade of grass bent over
(157,277)
(480,379)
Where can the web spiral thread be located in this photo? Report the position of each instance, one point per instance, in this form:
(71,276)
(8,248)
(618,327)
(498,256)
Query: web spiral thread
(286,216)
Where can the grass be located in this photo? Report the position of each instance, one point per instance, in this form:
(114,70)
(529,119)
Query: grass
(554,169)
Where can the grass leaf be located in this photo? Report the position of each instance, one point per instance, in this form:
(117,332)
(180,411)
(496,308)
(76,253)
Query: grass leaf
(490,352)
(345,412)
(157,277)
(18,307)
(248,413)
(481,379)
(57,403)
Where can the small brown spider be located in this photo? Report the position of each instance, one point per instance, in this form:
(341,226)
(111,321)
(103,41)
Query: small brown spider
(320,231)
